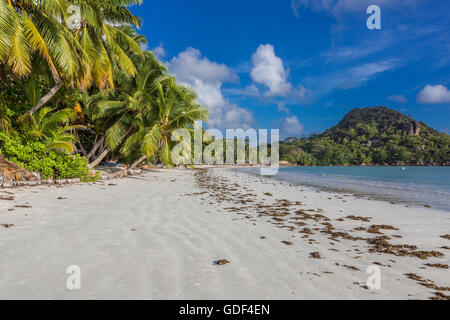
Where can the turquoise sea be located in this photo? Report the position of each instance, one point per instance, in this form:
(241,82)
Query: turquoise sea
(414,185)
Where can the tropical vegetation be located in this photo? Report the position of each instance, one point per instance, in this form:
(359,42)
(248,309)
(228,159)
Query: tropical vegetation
(77,90)
(371,136)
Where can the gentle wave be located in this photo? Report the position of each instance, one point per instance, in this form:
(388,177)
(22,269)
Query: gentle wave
(413,185)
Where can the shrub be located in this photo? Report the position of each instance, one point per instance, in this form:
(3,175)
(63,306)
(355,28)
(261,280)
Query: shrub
(31,155)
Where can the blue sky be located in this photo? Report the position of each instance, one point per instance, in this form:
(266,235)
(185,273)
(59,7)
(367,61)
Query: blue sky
(301,65)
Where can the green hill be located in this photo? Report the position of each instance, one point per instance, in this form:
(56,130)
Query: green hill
(371,136)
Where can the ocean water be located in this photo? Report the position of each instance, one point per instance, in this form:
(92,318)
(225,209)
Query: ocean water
(413,185)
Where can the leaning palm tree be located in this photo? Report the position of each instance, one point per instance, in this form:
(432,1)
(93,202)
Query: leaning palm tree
(121,113)
(174,108)
(33,36)
(36,35)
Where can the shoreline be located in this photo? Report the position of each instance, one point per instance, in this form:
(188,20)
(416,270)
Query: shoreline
(367,195)
(157,236)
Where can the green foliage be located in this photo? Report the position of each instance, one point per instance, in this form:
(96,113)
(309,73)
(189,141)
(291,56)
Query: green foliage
(51,128)
(86,89)
(371,136)
(32,155)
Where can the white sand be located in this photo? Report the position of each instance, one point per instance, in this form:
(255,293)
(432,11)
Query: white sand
(177,237)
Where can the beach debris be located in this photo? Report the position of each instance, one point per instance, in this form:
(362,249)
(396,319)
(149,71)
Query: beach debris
(344,235)
(306,231)
(314,274)
(268,194)
(221,262)
(437,266)
(382,265)
(381,245)
(315,255)
(440,296)
(7,226)
(263,238)
(430,284)
(364,219)
(352,268)
(23,206)
(376,228)
(61,198)
(447,236)
(7,198)
(288,243)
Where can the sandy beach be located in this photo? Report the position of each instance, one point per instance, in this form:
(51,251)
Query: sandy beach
(158,236)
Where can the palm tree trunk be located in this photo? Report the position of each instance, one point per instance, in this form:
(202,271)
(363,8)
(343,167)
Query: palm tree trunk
(134,165)
(81,146)
(95,148)
(100,158)
(48,96)
(105,152)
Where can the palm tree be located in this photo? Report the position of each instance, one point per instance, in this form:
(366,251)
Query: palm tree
(52,129)
(122,113)
(174,108)
(34,35)
(5,120)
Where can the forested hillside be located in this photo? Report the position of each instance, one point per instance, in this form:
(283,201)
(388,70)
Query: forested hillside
(371,136)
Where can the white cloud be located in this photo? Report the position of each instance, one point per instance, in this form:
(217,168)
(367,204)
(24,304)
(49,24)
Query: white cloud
(159,51)
(282,108)
(398,98)
(268,69)
(351,77)
(364,72)
(434,94)
(190,64)
(144,46)
(289,126)
(339,7)
(249,91)
(207,78)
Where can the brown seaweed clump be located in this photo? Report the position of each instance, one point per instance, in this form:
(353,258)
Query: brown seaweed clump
(440,296)
(430,284)
(437,266)
(364,219)
(381,245)
(376,228)
(221,262)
